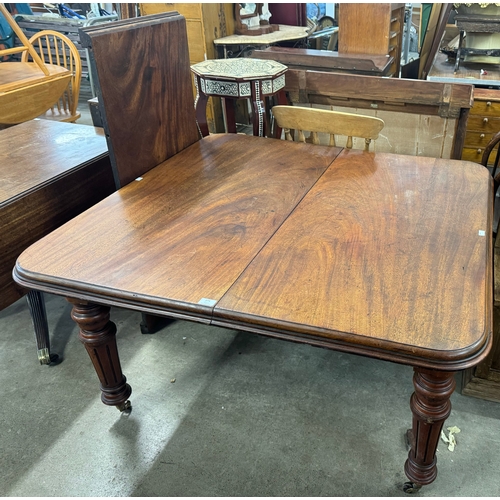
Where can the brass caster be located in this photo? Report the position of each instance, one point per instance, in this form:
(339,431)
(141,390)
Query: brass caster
(45,358)
(411,488)
(125,406)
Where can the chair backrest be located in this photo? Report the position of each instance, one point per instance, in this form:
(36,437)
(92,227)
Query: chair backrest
(324,121)
(25,44)
(57,49)
(141,72)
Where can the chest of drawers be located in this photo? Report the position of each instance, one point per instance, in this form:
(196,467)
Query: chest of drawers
(483,123)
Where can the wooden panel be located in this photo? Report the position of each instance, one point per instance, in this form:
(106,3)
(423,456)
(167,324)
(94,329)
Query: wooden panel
(188,10)
(144,90)
(359,33)
(191,225)
(196,41)
(376,262)
(69,173)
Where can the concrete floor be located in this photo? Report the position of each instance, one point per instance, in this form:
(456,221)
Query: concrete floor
(246,416)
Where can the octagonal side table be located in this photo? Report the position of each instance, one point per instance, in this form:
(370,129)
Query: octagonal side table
(238,78)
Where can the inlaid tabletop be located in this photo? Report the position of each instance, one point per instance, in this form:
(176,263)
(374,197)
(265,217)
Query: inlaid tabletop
(239,68)
(284,33)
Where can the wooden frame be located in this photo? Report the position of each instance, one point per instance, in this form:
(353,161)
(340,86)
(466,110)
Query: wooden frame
(370,92)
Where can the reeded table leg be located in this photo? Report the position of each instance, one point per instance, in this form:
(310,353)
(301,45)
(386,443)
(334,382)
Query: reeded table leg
(430,404)
(97,334)
(36,306)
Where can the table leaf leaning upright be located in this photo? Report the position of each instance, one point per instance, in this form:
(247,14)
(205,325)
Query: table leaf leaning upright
(386,256)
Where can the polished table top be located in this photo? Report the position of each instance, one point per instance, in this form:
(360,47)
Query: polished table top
(54,149)
(378,254)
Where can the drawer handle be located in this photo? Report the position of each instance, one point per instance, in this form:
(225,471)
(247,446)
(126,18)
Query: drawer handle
(485,120)
(481,136)
(488,103)
(479,151)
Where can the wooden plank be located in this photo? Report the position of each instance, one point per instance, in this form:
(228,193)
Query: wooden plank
(146,122)
(447,101)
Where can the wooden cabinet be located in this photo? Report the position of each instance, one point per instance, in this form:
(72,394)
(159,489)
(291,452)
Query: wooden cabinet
(373,29)
(483,123)
(205,23)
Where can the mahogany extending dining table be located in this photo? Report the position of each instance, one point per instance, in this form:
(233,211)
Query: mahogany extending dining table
(382,255)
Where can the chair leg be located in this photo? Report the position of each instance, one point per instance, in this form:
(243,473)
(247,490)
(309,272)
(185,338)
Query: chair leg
(36,306)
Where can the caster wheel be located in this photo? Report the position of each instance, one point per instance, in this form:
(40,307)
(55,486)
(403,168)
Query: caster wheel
(410,487)
(125,407)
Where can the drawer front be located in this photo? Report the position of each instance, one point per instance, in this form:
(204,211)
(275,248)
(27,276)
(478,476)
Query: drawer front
(477,139)
(472,154)
(476,154)
(483,124)
(485,108)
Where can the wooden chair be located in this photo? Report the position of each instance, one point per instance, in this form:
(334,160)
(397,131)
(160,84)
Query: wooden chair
(27,88)
(57,49)
(331,122)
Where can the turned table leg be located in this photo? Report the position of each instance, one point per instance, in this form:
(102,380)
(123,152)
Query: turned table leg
(430,404)
(36,307)
(97,333)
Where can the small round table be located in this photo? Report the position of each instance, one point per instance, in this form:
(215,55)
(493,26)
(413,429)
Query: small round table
(239,78)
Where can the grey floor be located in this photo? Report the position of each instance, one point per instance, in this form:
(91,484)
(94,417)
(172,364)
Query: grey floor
(219,413)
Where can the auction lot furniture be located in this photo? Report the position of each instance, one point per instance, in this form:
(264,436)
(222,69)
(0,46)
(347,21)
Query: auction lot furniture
(50,173)
(240,78)
(382,255)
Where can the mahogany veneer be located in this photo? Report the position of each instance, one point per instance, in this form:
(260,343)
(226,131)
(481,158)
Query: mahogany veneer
(376,254)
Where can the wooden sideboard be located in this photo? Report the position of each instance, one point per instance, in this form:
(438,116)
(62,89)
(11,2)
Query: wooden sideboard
(205,23)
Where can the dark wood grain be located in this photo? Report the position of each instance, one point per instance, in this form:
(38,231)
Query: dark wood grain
(186,231)
(145,91)
(50,173)
(384,252)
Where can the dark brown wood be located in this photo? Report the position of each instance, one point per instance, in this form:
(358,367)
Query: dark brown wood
(215,204)
(369,261)
(200,108)
(50,173)
(144,88)
(97,333)
(410,96)
(460,133)
(326,60)
(430,404)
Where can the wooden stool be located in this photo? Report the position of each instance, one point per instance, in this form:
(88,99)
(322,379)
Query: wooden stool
(238,78)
